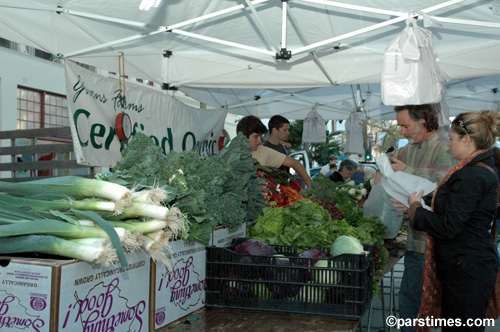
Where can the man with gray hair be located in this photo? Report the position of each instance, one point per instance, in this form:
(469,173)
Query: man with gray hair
(426,155)
(346,170)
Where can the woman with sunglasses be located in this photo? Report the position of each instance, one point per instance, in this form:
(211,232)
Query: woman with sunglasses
(461,260)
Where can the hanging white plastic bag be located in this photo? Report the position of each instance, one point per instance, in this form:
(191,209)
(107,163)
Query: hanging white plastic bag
(314,128)
(410,73)
(354,135)
(378,204)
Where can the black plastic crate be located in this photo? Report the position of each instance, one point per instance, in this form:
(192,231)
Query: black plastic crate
(289,283)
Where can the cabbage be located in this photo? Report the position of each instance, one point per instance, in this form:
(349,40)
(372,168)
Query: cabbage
(254,247)
(311,294)
(310,257)
(260,291)
(285,279)
(346,244)
(325,274)
(314,254)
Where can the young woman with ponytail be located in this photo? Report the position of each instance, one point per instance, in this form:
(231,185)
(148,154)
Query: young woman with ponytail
(461,261)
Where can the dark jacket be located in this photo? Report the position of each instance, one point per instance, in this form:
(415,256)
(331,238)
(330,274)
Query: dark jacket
(336,177)
(465,207)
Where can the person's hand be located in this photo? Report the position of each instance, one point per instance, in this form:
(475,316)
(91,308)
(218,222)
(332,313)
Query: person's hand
(415,197)
(286,144)
(397,165)
(398,205)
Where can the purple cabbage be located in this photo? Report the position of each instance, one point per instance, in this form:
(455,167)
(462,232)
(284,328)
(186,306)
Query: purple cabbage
(284,276)
(310,257)
(254,247)
(313,255)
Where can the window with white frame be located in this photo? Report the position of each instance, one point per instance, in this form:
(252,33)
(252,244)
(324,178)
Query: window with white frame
(40,109)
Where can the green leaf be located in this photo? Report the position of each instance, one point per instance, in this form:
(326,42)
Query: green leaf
(106,226)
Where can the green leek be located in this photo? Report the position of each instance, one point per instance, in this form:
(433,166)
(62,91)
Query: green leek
(141,226)
(53,245)
(73,186)
(115,240)
(58,228)
(151,196)
(157,252)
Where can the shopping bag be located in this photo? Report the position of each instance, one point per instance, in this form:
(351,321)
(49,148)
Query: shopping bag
(410,73)
(378,204)
(314,128)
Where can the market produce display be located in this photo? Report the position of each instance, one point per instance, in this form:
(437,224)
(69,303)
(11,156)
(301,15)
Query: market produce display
(211,191)
(331,210)
(290,278)
(65,216)
(280,188)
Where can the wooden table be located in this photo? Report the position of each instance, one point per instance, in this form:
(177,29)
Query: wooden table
(234,320)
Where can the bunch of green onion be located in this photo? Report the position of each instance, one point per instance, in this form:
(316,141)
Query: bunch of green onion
(87,219)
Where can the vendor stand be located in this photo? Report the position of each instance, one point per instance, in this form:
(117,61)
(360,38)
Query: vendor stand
(224,319)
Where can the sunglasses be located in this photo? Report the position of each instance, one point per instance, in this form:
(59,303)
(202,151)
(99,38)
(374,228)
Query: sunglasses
(461,123)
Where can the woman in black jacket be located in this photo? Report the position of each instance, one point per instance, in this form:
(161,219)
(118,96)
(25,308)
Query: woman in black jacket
(463,209)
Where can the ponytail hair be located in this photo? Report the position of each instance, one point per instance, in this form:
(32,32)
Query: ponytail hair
(483,127)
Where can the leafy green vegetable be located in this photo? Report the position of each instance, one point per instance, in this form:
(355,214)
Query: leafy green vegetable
(211,191)
(346,244)
(306,224)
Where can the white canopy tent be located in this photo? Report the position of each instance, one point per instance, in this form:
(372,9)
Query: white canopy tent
(267,57)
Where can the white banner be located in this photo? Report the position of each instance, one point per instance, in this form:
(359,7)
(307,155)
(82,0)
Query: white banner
(95,101)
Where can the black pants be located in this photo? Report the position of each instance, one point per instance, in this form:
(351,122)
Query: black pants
(466,297)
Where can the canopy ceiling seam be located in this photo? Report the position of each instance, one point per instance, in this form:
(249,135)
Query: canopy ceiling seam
(201,78)
(173,26)
(456,96)
(98,39)
(223,42)
(262,27)
(348,35)
(42,47)
(216,102)
(260,101)
(322,102)
(260,67)
(112,43)
(27,7)
(356,7)
(159,29)
(235,96)
(257,67)
(446,58)
(316,60)
(332,110)
(403,17)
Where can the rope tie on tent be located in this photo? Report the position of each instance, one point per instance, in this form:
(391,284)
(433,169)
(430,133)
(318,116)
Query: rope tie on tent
(121,76)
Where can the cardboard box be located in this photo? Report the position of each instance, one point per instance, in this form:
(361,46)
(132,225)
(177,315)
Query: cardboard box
(222,237)
(70,295)
(182,290)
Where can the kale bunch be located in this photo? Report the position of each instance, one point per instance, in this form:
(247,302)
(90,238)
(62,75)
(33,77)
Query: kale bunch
(141,158)
(211,191)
